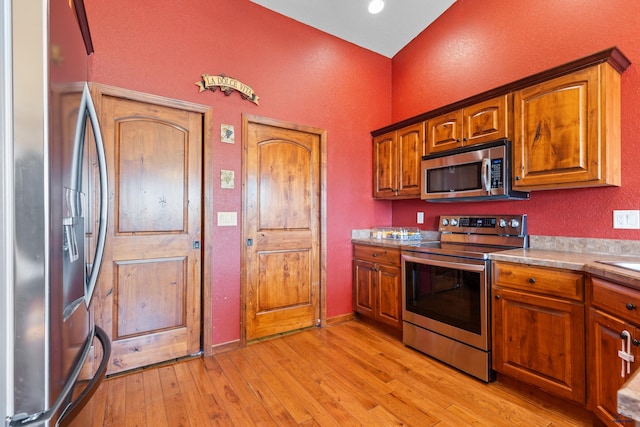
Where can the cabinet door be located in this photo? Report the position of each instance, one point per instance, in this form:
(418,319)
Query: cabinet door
(410,151)
(363,290)
(444,132)
(540,341)
(384,165)
(486,121)
(606,373)
(565,132)
(389,294)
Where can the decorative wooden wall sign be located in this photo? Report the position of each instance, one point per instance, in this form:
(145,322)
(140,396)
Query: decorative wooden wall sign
(227,85)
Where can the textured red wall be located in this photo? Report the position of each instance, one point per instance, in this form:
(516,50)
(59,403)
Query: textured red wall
(300,74)
(478,45)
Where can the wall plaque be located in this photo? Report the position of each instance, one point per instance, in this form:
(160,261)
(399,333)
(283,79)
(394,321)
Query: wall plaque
(226,85)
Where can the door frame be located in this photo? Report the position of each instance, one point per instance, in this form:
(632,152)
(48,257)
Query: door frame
(322,135)
(97,91)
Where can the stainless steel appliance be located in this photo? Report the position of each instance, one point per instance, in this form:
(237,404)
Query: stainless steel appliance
(47,212)
(474,173)
(446,289)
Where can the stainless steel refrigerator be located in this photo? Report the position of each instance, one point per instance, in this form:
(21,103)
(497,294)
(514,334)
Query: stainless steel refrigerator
(53,191)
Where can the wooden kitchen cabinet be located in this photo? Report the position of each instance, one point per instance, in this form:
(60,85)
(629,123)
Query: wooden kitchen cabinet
(538,328)
(567,131)
(614,309)
(377,282)
(482,122)
(396,163)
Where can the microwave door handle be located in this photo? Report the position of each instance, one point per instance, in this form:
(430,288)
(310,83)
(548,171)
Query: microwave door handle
(486,175)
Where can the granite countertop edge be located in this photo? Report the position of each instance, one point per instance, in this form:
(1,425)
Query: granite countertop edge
(568,253)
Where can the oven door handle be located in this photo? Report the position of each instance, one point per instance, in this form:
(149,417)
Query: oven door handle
(445,264)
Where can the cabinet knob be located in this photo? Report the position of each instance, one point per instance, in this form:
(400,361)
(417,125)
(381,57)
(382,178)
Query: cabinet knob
(497,297)
(631,306)
(517,178)
(532,280)
(635,342)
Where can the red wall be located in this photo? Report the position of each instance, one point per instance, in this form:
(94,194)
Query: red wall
(478,45)
(300,74)
(305,76)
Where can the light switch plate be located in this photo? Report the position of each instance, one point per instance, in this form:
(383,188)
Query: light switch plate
(420,218)
(627,219)
(227,219)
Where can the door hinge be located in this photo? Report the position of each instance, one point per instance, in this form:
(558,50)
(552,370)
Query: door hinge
(249,242)
(196,244)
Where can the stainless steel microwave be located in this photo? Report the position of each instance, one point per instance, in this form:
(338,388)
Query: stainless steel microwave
(474,173)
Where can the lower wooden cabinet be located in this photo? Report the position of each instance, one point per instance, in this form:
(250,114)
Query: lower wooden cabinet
(377,284)
(538,328)
(614,321)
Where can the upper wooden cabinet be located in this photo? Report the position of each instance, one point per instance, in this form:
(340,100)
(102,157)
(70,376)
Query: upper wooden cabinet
(396,163)
(482,122)
(567,131)
(564,123)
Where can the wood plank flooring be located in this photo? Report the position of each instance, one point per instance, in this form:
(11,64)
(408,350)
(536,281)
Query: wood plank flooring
(347,374)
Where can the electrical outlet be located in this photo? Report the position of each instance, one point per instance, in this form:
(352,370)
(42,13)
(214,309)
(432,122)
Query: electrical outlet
(628,219)
(420,218)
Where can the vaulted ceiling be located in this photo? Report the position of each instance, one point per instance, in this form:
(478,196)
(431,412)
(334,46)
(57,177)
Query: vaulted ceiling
(385,33)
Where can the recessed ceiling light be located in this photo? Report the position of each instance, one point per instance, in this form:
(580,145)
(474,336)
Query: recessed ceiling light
(375,6)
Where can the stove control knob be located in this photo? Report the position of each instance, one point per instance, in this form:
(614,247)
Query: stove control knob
(454,222)
(445,221)
(514,223)
(502,223)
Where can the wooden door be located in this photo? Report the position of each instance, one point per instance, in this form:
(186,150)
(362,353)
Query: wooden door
(389,295)
(385,180)
(363,292)
(410,142)
(444,132)
(605,373)
(540,341)
(281,227)
(487,121)
(149,291)
(556,133)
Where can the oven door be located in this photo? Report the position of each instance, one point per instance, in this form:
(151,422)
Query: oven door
(447,295)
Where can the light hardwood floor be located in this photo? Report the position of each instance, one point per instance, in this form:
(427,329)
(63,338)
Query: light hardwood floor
(347,374)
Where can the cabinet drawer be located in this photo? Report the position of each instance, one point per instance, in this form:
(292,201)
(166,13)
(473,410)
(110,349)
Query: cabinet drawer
(621,301)
(379,254)
(541,280)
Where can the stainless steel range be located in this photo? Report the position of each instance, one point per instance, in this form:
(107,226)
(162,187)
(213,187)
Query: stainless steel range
(446,289)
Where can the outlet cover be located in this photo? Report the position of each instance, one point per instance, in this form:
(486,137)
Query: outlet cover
(627,219)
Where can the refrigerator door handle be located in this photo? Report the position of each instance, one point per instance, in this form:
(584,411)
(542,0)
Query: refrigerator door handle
(88,110)
(41,418)
(76,406)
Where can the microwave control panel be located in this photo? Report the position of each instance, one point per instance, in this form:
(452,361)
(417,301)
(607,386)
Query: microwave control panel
(497,173)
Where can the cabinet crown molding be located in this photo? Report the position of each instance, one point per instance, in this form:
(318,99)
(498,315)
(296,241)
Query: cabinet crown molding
(612,55)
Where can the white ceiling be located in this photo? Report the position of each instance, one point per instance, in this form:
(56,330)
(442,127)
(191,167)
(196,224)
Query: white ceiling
(385,33)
